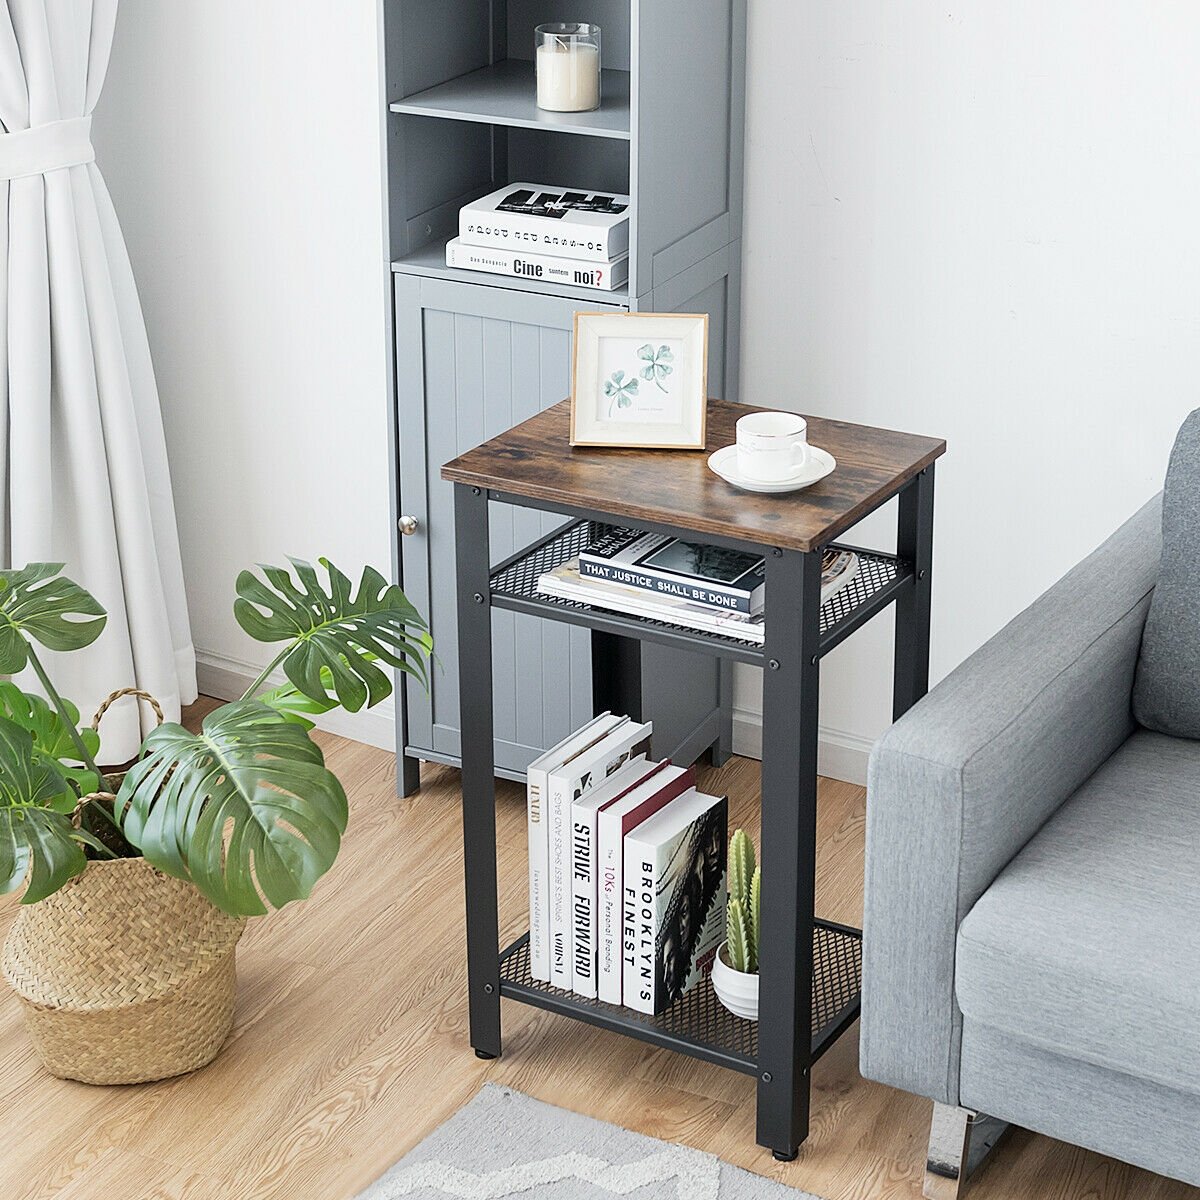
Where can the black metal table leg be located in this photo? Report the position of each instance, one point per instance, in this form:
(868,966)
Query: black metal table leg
(616,675)
(914,542)
(791,683)
(472,560)
(722,748)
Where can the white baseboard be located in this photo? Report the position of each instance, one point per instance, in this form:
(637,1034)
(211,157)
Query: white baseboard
(840,755)
(227,678)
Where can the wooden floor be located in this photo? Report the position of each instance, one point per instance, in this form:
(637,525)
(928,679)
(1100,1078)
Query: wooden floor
(350,1046)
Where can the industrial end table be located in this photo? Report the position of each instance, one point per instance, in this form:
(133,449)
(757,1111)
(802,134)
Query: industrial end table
(810,972)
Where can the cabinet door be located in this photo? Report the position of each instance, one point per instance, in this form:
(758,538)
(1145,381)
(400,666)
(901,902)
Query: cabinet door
(470,363)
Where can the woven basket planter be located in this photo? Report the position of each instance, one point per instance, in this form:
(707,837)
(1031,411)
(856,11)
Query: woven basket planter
(124,975)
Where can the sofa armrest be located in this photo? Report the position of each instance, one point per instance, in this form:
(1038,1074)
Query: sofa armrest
(959,784)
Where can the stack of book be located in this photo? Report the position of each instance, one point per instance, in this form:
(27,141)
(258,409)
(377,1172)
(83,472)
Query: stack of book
(711,589)
(626,869)
(532,231)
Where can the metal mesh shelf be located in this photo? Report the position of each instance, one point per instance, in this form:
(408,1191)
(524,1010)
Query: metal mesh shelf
(515,585)
(698,1024)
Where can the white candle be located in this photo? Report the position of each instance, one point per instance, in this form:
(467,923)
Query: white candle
(568,77)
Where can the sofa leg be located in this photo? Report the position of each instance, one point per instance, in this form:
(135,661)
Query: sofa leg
(959,1140)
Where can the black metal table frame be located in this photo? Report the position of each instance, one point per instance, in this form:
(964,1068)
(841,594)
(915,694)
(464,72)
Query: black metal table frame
(786,1046)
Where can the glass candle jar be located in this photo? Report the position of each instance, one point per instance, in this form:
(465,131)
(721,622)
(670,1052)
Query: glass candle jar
(568,67)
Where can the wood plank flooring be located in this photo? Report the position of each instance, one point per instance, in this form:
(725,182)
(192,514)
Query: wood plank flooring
(350,1045)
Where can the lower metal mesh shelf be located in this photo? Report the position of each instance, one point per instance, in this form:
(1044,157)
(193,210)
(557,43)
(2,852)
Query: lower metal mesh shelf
(519,579)
(698,1023)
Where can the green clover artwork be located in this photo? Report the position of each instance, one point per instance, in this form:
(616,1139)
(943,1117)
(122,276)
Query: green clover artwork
(658,364)
(621,391)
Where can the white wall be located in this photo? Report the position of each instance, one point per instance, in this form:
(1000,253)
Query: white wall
(241,144)
(974,221)
(984,219)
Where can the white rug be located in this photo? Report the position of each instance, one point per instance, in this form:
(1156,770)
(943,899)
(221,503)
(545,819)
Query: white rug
(505,1144)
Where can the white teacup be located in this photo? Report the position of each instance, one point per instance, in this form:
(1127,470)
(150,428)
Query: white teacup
(771,446)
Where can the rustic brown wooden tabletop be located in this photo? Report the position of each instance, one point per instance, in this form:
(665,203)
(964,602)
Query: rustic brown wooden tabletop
(676,487)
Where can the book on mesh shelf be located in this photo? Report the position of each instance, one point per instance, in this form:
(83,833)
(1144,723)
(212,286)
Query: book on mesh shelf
(565,784)
(585,874)
(613,822)
(673,900)
(717,576)
(565,582)
(537,802)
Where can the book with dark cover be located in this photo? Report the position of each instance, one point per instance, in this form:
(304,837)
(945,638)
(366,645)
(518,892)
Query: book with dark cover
(674,900)
(565,583)
(720,577)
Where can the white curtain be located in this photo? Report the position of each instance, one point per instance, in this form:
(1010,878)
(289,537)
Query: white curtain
(84,477)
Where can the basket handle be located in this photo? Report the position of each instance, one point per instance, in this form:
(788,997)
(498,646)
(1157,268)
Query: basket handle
(105,778)
(90,798)
(120,694)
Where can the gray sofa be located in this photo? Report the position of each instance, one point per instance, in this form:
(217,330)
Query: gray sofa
(1032,925)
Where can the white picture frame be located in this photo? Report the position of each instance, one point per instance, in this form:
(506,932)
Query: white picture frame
(640,380)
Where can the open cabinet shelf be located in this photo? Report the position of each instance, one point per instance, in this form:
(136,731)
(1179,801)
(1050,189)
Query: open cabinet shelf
(430,261)
(505,93)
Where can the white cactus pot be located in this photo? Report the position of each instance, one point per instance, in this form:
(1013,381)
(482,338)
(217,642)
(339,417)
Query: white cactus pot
(737,990)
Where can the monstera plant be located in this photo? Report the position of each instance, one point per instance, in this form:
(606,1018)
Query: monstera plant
(138,884)
(246,809)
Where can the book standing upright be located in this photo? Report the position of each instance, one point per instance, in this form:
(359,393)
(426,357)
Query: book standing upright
(673,899)
(537,795)
(566,783)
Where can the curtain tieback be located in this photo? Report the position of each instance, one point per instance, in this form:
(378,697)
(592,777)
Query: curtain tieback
(45,148)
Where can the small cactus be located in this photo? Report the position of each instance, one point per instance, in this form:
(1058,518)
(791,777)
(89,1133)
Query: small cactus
(744,911)
(737,936)
(741,866)
(755,913)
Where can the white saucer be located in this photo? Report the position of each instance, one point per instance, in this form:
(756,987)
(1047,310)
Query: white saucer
(820,463)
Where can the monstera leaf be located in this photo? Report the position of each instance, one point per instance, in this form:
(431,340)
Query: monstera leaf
(35,839)
(53,742)
(337,634)
(245,809)
(37,602)
(293,705)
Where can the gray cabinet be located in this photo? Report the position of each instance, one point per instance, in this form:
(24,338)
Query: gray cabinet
(475,353)
(472,371)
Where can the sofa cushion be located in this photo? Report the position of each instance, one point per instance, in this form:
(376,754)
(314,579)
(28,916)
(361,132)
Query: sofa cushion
(1088,942)
(1166,690)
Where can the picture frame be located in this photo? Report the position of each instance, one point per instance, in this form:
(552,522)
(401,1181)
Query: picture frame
(640,380)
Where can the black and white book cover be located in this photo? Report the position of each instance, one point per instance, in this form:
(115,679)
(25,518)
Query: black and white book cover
(541,219)
(717,576)
(565,583)
(674,902)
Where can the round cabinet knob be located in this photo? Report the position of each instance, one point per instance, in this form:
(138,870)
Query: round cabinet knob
(408,525)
